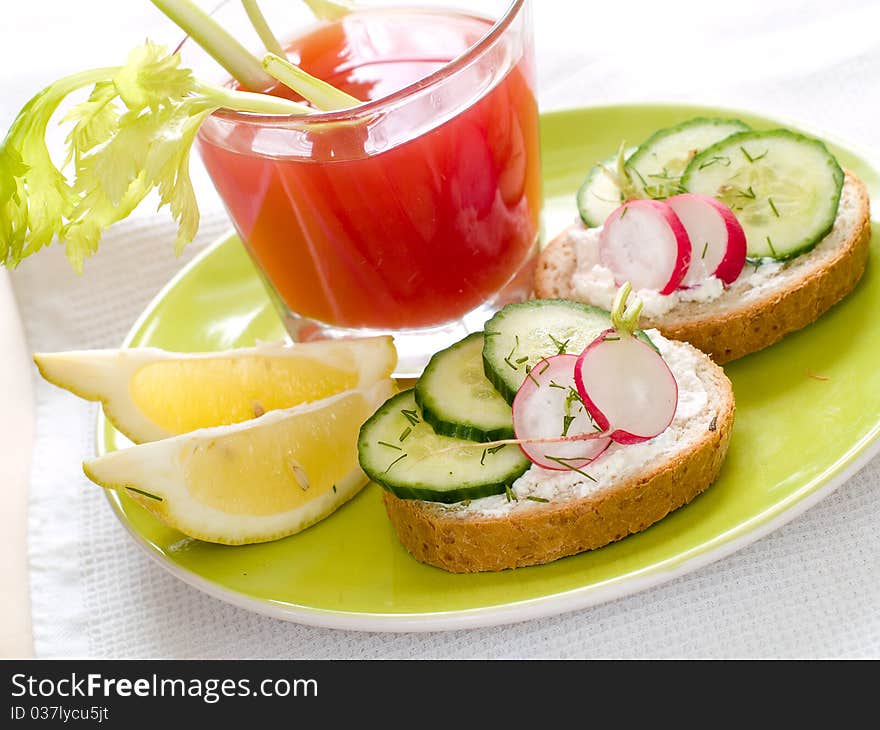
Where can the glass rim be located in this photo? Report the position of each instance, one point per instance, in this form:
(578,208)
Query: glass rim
(369,108)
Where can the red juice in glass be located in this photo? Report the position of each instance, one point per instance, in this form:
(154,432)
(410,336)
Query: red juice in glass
(410,215)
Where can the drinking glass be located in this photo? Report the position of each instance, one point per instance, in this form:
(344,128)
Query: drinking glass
(414,214)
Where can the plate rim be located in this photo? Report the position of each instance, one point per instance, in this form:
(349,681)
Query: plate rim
(719,547)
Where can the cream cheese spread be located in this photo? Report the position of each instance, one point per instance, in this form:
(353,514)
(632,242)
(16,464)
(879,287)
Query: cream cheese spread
(619,461)
(595,284)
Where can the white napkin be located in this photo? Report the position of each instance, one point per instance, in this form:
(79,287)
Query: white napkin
(810,589)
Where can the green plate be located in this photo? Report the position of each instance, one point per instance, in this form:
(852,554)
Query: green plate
(796,439)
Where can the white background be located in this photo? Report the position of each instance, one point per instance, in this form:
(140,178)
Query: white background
(810,589)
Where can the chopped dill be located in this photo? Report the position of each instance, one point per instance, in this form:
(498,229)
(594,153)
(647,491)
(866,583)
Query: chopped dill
(749,157)
(562,461)
(715,160)
(561,347)
(512,351)
(398,459)
(145,494)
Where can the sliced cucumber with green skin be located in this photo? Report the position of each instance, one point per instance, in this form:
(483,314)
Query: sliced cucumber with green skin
(519,335)
(400,451)
(458,400)
(783,187)
(600,194)
(657,165)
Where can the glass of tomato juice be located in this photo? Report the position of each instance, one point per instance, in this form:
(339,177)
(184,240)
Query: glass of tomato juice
(414,214)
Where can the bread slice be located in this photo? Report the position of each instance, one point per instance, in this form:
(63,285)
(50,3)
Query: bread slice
(635,486)
(748,316)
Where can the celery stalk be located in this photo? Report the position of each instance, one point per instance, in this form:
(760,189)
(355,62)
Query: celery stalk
(249,102)
(320,93)
(258,20)
(330,9)
(217,42)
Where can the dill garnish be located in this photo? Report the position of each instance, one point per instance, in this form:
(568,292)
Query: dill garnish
(145,494)
(411,416)
(537,499)
(772,249)
(512,351)
(399,458)
(566,424)
(773,207)
(390,446)
(491,450)
(705,248)
(406,432)
(716,159)
(561,460)
(560,346)
(573,396)
(749,157)
(531,377)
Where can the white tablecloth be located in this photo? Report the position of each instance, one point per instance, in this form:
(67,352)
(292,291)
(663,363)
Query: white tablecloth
(810,589)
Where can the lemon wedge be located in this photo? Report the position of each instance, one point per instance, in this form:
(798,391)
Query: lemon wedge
(250,482)
(150,394)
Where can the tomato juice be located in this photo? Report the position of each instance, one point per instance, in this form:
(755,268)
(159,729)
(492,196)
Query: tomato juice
(395,221)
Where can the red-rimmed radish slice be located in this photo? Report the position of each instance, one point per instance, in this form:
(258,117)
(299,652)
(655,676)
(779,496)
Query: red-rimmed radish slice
(548,406)
(643,242)
(718,242)
(627,387)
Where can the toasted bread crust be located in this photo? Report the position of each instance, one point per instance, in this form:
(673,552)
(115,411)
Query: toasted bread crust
(471,543)
(738,331)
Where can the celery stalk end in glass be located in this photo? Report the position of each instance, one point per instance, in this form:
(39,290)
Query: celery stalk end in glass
(415,213)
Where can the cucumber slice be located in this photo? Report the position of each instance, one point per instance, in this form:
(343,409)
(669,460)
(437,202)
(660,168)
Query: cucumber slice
(519,335)
(657,165)
(783,187)
(400,451)
(457,399)
(600,194)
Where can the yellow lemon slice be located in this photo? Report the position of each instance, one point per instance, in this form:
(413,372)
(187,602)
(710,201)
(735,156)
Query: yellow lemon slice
(150,394)
(254,481)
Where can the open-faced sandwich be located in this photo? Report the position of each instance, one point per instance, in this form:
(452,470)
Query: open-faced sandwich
(731,237)
(558,429)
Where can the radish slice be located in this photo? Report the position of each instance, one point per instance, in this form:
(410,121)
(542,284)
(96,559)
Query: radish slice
(643,242)
(627,387)
(548,405)
(717,239)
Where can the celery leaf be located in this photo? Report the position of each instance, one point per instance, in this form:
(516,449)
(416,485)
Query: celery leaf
(133,134)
